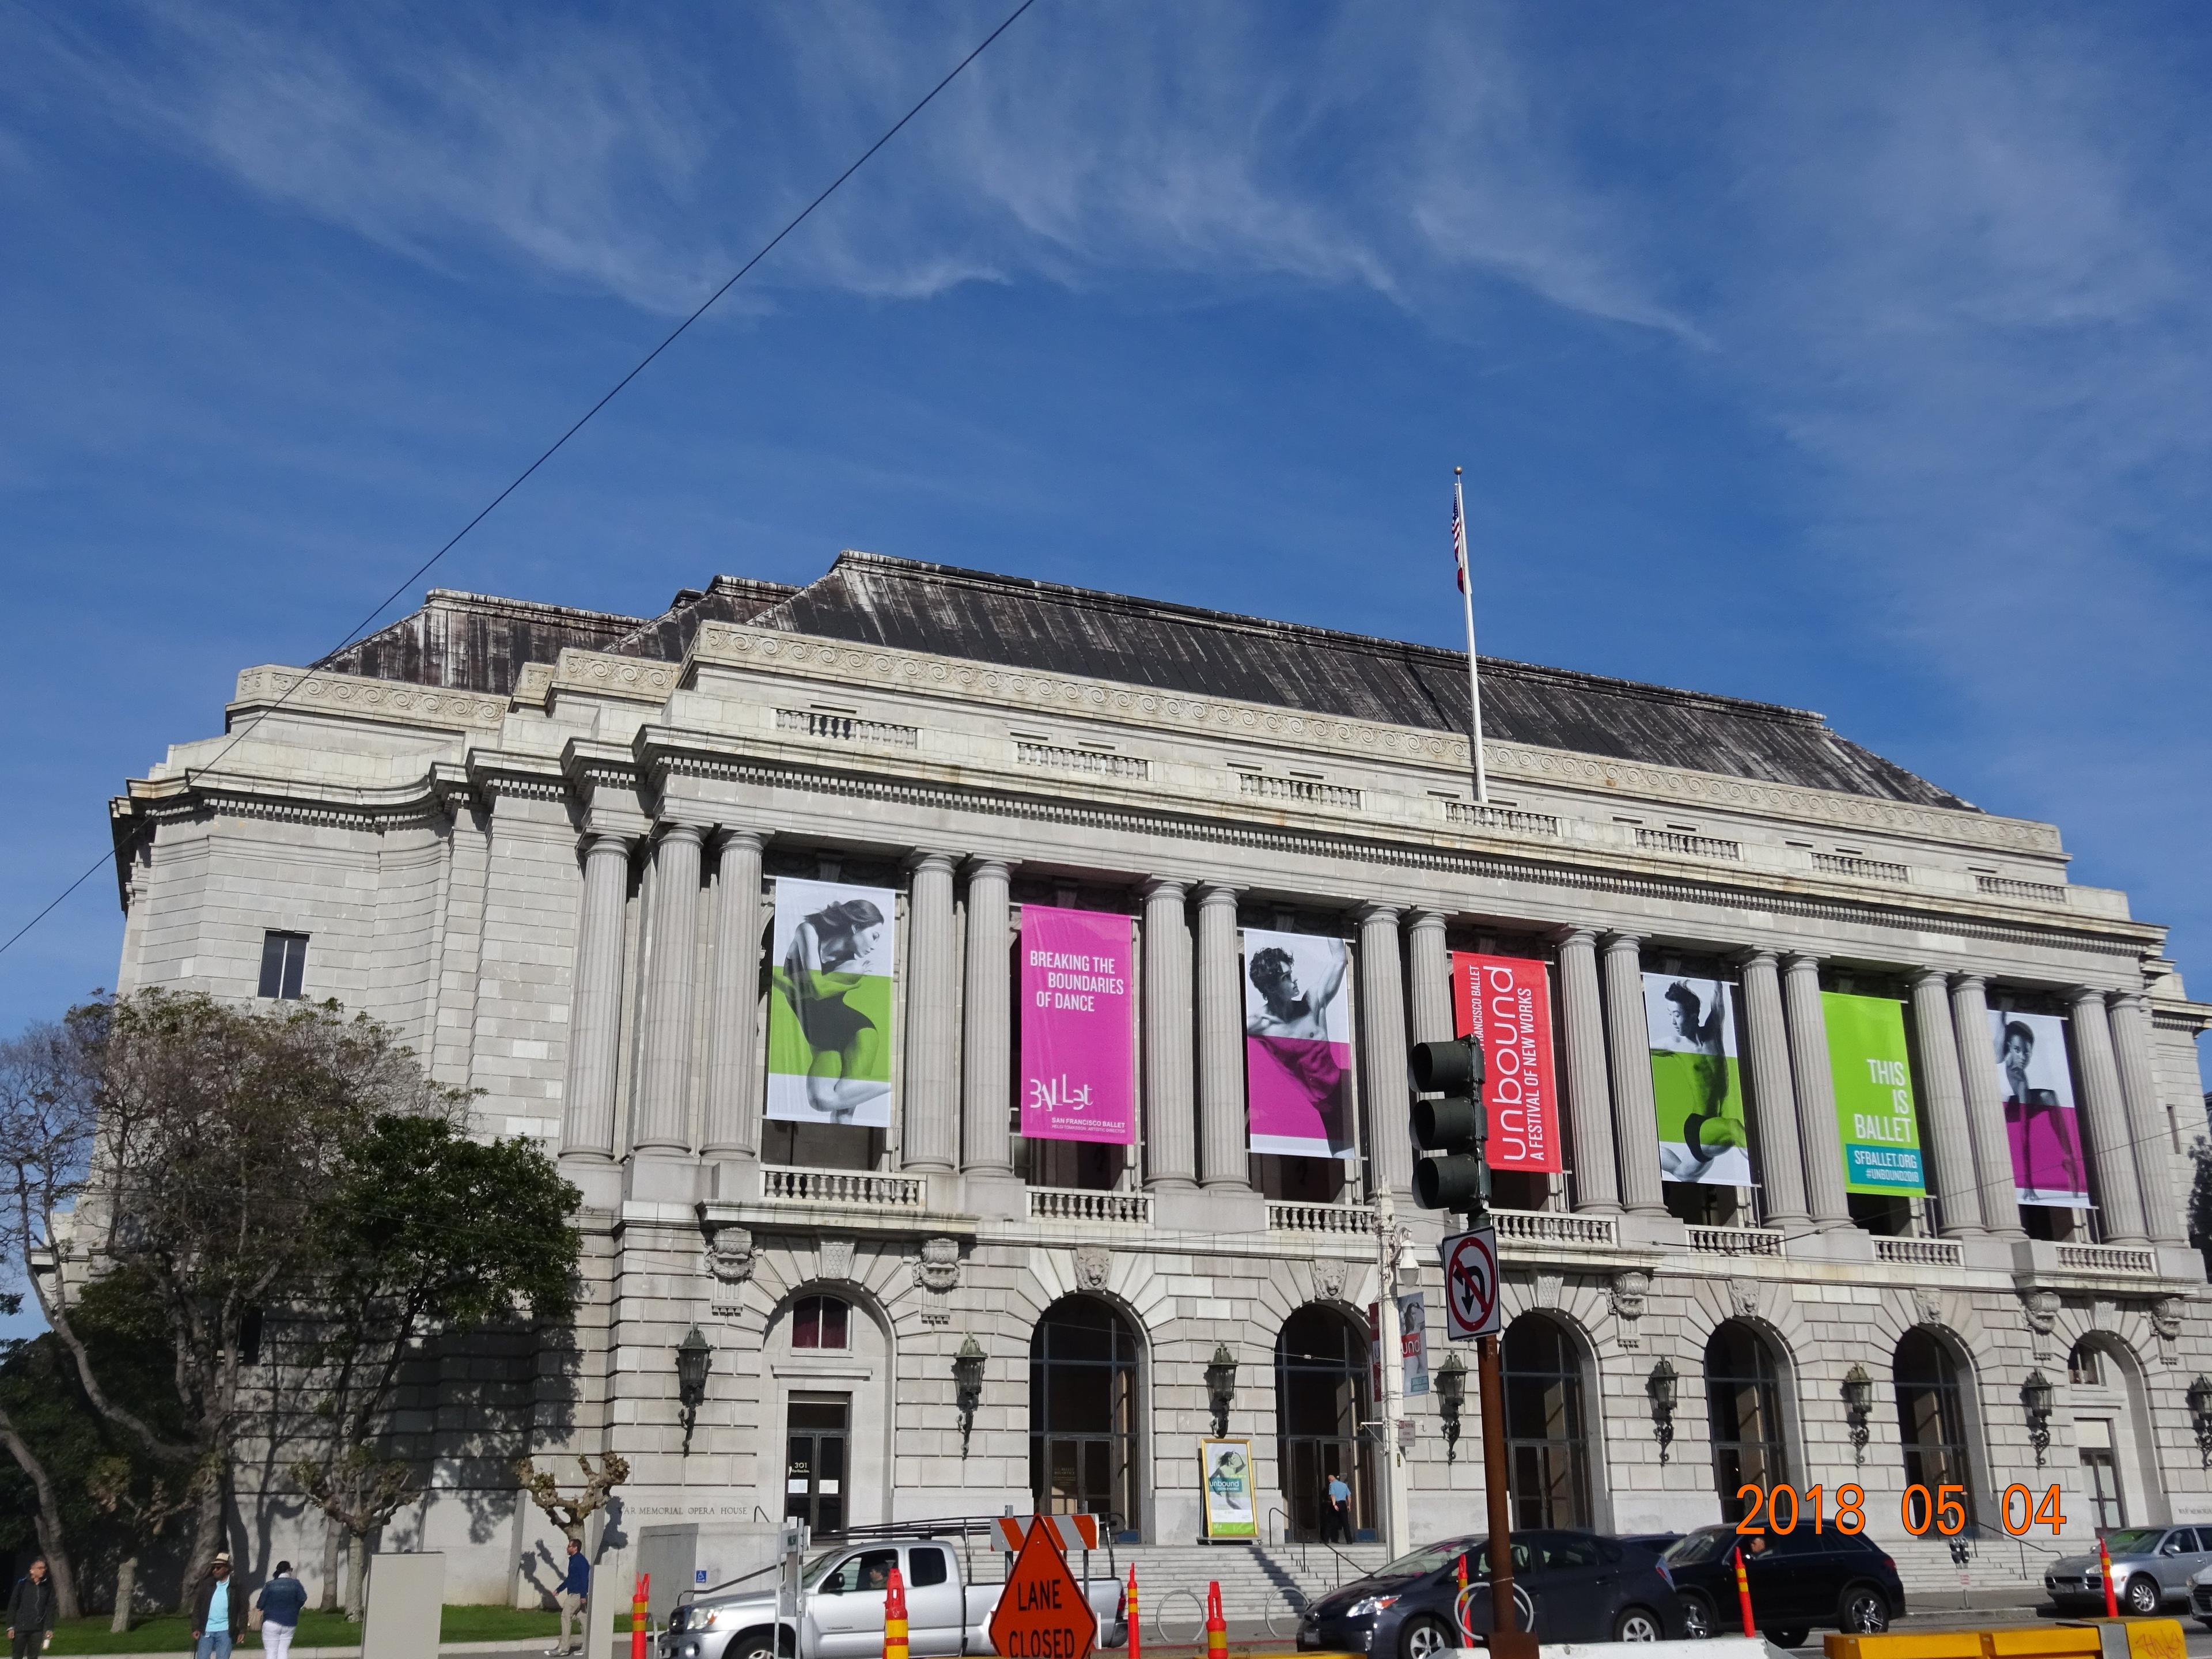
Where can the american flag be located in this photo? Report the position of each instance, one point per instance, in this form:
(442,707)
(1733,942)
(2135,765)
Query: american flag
(1459,536)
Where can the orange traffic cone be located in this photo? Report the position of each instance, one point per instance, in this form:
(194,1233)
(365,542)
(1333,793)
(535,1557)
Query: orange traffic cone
(1136,1624)
(1216,1627)
(2105,1561)
(1743,1593)
(895,1617)
(638,1602)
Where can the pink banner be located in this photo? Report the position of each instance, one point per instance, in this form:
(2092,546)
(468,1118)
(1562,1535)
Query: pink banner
(1297,1044)
(1508,1000)
(1078,1029)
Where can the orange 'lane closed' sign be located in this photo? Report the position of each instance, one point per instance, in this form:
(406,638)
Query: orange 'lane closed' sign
(1042,1614)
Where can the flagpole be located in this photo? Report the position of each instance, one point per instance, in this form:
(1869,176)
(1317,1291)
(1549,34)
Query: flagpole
(1473,679)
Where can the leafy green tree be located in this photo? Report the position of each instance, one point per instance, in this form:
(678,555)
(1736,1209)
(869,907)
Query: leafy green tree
(190,1148)
(426,1234)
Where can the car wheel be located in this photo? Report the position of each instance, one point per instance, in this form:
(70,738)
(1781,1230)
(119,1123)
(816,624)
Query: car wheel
(1865,1611)
(759,1645)
(2142,1595)
(1638,1625)
(1424,1637)
(1697,1616)
(1788,1636)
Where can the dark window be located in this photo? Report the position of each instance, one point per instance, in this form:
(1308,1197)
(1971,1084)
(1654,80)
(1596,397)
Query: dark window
(249,1337)
(818,1321)
(929,1567)
(1931,1417)
(1546,1448)
(284,959)
(2082,1366)
(1743,1405)
(1083,1412)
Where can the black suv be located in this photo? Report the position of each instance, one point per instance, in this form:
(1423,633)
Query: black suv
(1799,1581)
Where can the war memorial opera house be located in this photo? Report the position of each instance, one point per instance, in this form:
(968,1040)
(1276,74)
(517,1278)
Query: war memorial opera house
(920,961)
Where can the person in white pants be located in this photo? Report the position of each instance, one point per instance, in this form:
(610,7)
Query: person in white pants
(281,1600)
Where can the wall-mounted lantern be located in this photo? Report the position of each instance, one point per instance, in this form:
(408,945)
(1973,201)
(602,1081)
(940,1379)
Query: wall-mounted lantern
(1660,1386)
(1451,1395)
(968,1387)
(2200,1417)
(1221,1387)
(2035,1401)
(1858,1406)
(692,1357)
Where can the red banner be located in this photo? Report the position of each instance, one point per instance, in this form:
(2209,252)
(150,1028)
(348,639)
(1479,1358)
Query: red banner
(1508,1000)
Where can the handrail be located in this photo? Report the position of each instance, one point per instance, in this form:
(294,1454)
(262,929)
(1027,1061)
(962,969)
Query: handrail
(1284,1541)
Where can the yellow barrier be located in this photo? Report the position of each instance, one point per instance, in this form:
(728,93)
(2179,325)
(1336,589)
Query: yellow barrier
(2143,1639)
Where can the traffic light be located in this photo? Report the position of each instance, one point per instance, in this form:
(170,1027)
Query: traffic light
(1453,1129)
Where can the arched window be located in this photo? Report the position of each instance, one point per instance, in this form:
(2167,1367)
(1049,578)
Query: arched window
(1320,1400)
(1083,1412)
(1932,1416)
(1548,1458)
(1743,1409)
(820,1322)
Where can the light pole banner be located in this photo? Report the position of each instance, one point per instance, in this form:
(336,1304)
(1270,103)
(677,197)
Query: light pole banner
(829,1019)
(1507,1002)
(1873,1073)
(1696,1080)
(1413,1340)
(2038,1087)
(1079,1027)
(1297,1044)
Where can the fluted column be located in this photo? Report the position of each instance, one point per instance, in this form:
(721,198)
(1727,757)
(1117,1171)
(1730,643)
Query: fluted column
(1985,1120)
(931,1141)
(1824,1193)
(733,1126)
(595,1015)
(1628,1042)
(1170,1117)
(660,1114)
(1383,1049)
(2106,1110)
(1773,1096)
(1589,1089)
(2147,1122)
(1225,1155)
(1951,1145)
(1430,964)
(986,1045)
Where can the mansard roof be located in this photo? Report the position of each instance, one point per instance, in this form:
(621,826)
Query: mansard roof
(467,641)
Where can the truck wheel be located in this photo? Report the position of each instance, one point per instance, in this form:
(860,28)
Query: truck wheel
(753,1645)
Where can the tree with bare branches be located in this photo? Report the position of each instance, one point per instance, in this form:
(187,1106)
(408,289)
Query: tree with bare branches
(145,1505)
(569,1514)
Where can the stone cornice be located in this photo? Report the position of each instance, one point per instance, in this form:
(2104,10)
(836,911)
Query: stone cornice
(803,656)
(427,798)
(664,753)
(391,703)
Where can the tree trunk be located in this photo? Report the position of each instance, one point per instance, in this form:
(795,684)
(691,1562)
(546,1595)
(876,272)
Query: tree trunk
(49,1521)
(207,1539)
(356,1575)
(326,1598)
(126,1591)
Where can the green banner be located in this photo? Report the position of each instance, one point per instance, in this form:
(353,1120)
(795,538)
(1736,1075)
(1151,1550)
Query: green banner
(1867,1058)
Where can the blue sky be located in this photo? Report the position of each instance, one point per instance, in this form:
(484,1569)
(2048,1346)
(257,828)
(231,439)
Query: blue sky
(1849,357)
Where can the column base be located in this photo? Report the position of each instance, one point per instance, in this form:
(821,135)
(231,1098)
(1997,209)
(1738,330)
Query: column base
(598,1178)
(659,1177)
(1647,1229)
(734,1180)
(1209,1210)
(999,1193)
(1844,1243)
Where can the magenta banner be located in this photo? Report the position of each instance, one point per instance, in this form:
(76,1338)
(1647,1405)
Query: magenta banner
(1079,1027)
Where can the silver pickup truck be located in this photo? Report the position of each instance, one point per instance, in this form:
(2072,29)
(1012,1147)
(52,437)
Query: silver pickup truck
(840,1611)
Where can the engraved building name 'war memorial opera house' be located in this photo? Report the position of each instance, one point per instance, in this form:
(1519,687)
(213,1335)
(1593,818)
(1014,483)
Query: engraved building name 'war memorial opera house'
(919,963)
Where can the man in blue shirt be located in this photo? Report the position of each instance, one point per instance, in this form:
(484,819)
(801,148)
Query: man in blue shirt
(1338,1520)
(575,1597)
(211,1606)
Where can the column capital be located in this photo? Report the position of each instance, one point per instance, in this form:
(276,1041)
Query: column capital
(1176,887)
(1577,934)
(930,858)
(1800,962)
(1212,895)
(1751,956)
(606,841)
(2127,999)
(1623,942)
(680,829)
(985,864)
(1926,975)
(1375,910)
(739,835)
(1978,983)
(1421,918)
(2081,996)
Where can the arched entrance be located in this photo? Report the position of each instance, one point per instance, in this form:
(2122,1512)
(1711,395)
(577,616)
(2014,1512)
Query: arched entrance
(1932,1416)
(1083,1412)
(1322,1397)
(1743,1411)
(1547,1457)
(2119,1474)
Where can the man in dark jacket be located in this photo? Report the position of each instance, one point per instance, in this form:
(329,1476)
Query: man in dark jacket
(218,1611)
(31,1612)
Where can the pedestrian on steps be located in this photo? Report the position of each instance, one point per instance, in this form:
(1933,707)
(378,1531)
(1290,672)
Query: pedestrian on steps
(1339,1518)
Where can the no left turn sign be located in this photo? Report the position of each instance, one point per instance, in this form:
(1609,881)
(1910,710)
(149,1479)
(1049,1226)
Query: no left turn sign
(1471,1284)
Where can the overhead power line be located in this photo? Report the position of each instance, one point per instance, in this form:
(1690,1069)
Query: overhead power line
(361,629)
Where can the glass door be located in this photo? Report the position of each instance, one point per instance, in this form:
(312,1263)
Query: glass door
(814,1463)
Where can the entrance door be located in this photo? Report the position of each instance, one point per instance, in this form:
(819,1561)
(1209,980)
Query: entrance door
(2101,1474)
(814,1463)
(1320,1400)
(1083,1412)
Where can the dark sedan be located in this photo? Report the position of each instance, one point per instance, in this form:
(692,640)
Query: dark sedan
(1800,1581)
(1569,1586)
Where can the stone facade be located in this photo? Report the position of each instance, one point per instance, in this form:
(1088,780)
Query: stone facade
(557,892)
